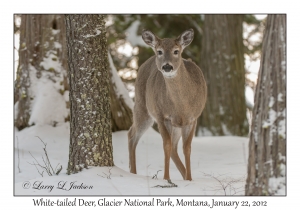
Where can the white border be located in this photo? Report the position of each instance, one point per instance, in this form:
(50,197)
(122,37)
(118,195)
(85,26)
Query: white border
(162,7)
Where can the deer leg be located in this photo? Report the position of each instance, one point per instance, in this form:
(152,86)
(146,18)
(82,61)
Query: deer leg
(187,136)
(167,147)
(175,136)
(139,126)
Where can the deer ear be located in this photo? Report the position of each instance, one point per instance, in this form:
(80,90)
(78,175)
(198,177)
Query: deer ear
(149,38)
(186,38)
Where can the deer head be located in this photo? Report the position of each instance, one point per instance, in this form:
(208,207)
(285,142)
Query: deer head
(168,51)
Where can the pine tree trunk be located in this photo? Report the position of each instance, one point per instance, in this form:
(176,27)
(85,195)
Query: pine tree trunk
(90,124)
(267,146)
(41,37)
(222,63)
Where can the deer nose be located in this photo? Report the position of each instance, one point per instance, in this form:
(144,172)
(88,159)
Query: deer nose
(167,68)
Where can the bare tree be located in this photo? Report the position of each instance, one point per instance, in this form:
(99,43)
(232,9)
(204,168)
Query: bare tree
(90,119)
(222,62)
(42,42)
(267,146)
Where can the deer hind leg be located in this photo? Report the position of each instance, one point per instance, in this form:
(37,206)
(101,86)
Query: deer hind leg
(140,124)
(187,136)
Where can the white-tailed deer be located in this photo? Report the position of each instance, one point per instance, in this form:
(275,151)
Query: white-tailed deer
(171,91)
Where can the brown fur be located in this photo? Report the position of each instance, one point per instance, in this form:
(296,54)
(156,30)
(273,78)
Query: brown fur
(174,103)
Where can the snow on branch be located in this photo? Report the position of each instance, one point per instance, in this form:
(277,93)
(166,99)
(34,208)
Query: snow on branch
(132,37)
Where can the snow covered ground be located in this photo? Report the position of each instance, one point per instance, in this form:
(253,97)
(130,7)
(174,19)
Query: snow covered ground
(219,166)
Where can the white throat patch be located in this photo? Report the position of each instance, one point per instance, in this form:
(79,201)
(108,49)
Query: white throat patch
(170,74)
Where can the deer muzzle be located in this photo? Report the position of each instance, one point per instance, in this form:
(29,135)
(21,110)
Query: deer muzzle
(167,68)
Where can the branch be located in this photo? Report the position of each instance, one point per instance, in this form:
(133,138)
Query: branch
(107,176)
(167,186)
(47,165)
(226,183)
(46,154)
(155,175)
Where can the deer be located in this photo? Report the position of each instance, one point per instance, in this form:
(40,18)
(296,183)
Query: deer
(171,91)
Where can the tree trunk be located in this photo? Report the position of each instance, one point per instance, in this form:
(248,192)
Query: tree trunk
(90,124)
(222,62)
(42,39)
(267,146)
(121,104)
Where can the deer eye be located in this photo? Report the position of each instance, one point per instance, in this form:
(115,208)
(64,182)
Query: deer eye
(159,52)
(176,52)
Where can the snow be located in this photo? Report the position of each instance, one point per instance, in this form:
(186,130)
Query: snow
(260,17)
(48,106)
(212,159)
(132,36)
(249,97)
(277,185)
(120,87)
(272,116)
(252,66)
(282,124)
(279,97)
(16,110)
(97,31)
(57,45)
(204,132)
(126,49)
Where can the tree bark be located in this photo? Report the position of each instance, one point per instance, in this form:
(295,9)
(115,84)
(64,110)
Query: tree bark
(41,37)
(90,124)
(222,62)
(267,146)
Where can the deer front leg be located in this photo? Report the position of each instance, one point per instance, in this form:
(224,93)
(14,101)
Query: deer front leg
(175,134)
(167,144)
(176,159)
(187,136)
